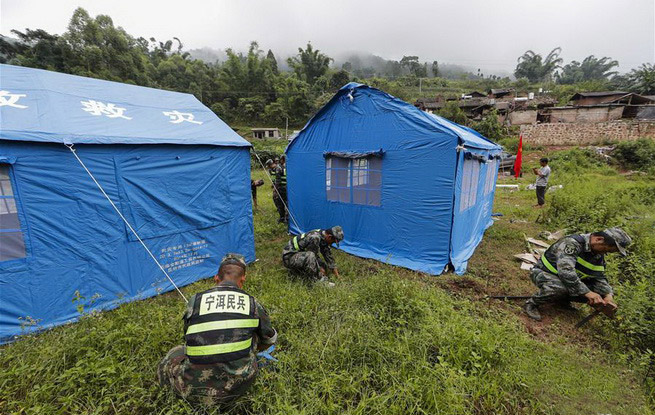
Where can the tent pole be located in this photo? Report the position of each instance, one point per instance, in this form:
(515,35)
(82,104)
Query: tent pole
(70,147)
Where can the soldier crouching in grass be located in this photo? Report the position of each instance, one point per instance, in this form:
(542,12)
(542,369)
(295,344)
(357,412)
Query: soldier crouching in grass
(224,328)
(573,269)
(301,255)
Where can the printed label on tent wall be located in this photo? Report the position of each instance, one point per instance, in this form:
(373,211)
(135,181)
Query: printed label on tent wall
(185,255)
(164,204)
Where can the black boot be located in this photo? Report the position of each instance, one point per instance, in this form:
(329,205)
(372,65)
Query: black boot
(531,309)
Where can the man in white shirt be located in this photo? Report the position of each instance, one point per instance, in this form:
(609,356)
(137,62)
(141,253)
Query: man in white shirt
(543,174)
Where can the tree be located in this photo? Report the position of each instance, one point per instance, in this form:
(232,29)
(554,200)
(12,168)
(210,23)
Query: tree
(414,66)
(435,69)
(272,62)
(38,49)
(339,79)
(591,69)
(347,66)
(294,98)
(490,126)
(453,112)
(535,68)
(309,64)
(642,79)
(249,74)
(393,69)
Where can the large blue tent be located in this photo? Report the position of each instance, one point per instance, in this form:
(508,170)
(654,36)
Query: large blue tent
(408,187)
(178,174)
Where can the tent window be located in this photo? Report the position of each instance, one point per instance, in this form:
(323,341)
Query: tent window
(470,174)
(12,245)
(491,176)
(357,180)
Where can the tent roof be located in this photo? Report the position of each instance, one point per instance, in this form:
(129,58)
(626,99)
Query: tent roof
(45,106)
(468,136)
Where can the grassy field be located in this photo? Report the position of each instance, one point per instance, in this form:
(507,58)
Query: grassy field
(385,340)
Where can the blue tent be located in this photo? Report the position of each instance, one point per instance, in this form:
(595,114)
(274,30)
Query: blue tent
(177,173)
(409,188)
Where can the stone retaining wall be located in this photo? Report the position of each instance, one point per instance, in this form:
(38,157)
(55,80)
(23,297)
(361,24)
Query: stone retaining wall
(573,134)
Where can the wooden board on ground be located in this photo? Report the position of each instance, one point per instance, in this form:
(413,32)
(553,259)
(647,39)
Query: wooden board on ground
(526,258)
(538,242)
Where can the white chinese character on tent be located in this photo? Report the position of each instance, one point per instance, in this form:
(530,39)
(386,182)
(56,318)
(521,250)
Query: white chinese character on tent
(100,108)
(178,117)
(9,99)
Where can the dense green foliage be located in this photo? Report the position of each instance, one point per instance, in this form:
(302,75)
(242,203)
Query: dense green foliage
(638,155)
(453,112)
(246,87)
(384,340)
(594,197)
(535,68)
(490,126)
(642,79)
(590,69)
(249,88)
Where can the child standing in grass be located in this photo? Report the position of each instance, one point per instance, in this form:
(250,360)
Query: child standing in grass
(542,181)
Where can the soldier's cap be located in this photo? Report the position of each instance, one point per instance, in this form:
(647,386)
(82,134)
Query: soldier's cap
(268,162)
(621,239)
(234,259)
(337,232)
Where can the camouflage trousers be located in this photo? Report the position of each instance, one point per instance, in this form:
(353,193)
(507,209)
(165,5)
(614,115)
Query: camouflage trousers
(306,265)
(199,384)
(552,289)
(280,201)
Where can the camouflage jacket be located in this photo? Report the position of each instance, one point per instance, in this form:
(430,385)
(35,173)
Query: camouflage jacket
(220,379)
(279,177)
(566,252)
(315,242)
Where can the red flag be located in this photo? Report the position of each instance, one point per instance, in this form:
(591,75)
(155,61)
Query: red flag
(519,159)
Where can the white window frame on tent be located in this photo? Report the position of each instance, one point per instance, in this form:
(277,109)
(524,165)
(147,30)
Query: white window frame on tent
(354,180)
(11,229)
(490,178)
(470,176)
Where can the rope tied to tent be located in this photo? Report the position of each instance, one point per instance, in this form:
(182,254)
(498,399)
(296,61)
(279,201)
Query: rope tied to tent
(275,189)
(72,149)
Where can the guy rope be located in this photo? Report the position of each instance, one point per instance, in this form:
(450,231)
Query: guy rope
(275,189)
(70,147)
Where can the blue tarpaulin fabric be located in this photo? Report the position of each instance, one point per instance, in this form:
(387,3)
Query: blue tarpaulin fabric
(434,206)
(57,107)
(190,203)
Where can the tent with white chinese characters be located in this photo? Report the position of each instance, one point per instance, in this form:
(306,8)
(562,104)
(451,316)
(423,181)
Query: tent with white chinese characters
(408,187)
(176,172)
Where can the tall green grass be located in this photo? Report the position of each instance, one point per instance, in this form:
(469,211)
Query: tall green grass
(383,341)
(595,197)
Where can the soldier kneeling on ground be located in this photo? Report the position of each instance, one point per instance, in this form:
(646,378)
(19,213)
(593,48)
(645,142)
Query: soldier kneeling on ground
(224,327)
(301,254)
(573,269)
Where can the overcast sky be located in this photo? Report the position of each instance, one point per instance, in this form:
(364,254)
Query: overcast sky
(489,34)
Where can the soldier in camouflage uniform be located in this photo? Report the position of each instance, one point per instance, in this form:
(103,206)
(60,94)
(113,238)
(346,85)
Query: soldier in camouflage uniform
(280,184)
(573,269)
(279,177)
(301,254)
(224,327)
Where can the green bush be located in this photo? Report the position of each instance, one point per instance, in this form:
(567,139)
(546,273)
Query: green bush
(454,113)
(636,155)
(490,126)
(594,197)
